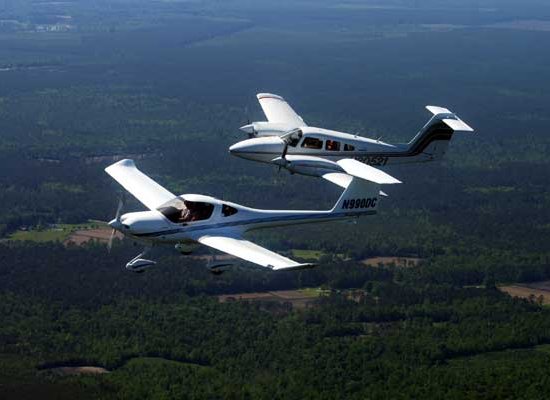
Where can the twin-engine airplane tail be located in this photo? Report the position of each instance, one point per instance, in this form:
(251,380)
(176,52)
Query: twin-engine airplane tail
(431,142)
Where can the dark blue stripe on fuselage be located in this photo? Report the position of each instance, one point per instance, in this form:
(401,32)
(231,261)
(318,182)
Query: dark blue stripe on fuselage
(254,221)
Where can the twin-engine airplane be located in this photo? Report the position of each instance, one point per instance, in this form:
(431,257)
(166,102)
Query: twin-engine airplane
(285,140)
(189,220)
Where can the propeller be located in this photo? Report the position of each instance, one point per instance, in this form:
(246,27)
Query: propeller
(115,222)
(283,156)
(249,127)
(247,115)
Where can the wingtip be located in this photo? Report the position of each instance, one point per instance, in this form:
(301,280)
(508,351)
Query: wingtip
(128,163)
(261,96)
(435,110)
(294,267)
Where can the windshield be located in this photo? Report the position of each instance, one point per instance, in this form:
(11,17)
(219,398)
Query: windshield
(293,137)
(181,211)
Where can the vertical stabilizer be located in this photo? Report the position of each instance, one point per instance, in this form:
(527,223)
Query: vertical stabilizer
(431,142)
(360,197)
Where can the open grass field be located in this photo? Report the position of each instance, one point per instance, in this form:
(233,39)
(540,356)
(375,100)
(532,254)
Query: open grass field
(56,233)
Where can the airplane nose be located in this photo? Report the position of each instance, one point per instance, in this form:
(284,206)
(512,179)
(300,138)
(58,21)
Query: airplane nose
(116,224)
(238,148)
(257,146)
(248,129)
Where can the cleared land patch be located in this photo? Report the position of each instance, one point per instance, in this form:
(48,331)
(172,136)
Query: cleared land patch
(397,261)
(538,291)
(85,370)
(54,233)
(300,299)
(82,236)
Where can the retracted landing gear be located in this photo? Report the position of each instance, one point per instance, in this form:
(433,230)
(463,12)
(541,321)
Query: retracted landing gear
(218,267)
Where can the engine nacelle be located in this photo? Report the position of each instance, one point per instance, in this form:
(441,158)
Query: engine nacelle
(308,165)
(186,248)
(263,128)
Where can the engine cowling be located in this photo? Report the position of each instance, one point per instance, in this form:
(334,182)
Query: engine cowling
(307,165)
(263,128)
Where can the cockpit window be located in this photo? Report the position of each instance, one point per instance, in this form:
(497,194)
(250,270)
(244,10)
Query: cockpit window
(294,137)
(312,143)
(332,145)
(228,210)
(181,211)
(349,147)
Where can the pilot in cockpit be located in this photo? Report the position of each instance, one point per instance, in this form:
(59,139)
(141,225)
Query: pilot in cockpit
(181,212)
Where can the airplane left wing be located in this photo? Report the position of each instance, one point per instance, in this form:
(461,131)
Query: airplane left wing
(251,252)
(146,190)
(277,110)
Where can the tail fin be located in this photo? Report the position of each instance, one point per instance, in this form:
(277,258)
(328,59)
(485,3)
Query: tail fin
(433,139)
(360,197)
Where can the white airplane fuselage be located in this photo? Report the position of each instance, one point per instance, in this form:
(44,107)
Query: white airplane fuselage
(333,146)
(154,227)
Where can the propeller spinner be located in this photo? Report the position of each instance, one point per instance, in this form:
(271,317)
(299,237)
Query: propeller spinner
(116,224)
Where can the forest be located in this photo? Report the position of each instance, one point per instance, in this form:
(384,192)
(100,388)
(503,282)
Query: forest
(168,83)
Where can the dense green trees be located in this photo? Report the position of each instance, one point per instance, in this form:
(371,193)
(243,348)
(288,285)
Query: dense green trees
(164,336)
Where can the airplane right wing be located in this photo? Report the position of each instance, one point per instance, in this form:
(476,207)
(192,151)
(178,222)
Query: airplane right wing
(338,178)
(366,172)
(251,252)
(277,110)
(143,188)
(352,168)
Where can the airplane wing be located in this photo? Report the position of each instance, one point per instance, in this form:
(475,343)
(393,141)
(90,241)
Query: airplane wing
(364,171)
(277,110)
(143,188)
(353,168)
(251,252)
(338,178)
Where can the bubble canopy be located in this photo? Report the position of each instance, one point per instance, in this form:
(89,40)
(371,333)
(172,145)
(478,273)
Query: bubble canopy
(181,211)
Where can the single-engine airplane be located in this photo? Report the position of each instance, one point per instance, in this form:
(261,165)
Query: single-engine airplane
(285,140)
(190,220)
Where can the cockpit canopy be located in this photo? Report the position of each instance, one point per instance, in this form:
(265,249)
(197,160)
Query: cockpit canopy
(181,211)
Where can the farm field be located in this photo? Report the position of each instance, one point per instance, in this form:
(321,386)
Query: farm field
(539,291)
(300,299)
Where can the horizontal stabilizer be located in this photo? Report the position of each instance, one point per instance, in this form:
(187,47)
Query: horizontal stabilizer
(364,171)
(450,119)
(435,110)
(458,125)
